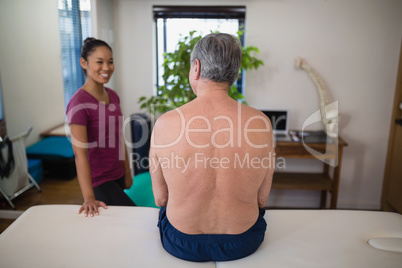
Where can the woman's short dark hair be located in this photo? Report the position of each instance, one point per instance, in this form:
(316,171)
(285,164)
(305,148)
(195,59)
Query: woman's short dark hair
(90,44)
(220,57)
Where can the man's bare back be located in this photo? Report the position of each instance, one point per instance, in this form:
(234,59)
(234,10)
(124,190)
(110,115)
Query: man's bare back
(211,163)
(216,157)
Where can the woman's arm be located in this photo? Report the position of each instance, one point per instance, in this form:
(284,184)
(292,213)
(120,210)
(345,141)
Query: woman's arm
(128,177)
(80,147)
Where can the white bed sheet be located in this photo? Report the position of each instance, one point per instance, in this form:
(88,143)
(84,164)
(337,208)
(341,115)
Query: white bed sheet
(56,236)
(325,238)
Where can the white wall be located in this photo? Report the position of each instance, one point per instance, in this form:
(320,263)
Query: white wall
(353,45)
(30,66)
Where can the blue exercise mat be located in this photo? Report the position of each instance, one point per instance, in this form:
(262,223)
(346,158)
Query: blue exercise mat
(35,169)
(51,148)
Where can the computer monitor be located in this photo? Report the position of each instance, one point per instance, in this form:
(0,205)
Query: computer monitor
(279,121)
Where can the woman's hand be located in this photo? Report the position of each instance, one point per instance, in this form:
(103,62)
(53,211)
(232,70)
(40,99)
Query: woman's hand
(128,180)
(91,207)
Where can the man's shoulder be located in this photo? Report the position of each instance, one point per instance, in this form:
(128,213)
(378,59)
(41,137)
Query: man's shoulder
(171,115)
(250,112)
(170,118)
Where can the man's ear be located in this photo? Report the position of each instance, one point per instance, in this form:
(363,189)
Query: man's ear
(197,69)
(84,63)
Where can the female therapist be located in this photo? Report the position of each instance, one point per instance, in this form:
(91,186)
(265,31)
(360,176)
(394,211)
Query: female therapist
(95,121)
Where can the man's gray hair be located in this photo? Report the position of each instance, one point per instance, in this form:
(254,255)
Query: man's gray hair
(220,57)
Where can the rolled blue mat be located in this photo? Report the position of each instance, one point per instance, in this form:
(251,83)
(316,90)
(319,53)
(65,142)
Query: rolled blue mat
(141,191)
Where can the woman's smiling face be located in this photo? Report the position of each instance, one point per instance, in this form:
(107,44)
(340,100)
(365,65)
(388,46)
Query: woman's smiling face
(99,66)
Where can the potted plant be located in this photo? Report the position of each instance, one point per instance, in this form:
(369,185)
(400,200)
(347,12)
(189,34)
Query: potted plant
(177,90)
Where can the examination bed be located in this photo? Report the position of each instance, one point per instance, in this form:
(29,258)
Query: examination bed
(57,236)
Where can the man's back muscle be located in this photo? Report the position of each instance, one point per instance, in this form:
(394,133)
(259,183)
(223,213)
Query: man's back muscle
(214,155)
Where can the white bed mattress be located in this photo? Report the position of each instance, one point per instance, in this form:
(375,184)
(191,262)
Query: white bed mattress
(325,238)
(56,236)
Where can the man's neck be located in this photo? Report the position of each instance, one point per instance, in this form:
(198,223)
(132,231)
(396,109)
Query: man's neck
(209,89)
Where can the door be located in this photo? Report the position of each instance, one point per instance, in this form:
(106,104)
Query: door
(392,187)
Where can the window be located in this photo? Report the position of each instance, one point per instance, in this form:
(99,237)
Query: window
(75,26)
(174,22)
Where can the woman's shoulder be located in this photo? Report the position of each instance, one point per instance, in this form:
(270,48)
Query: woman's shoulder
(77,98)
(81,97)
(114,97)
(110,91)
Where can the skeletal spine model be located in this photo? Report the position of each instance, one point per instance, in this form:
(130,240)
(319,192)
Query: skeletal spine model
(329,117)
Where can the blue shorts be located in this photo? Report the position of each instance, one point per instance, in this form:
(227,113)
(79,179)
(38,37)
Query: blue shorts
(210,247)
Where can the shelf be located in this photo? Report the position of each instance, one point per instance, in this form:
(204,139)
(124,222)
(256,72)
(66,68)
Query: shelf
(326,182)
(302,181)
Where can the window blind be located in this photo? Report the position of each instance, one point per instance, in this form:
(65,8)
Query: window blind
(74,25)
(204,12)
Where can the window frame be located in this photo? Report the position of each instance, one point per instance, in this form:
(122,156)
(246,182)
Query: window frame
(198,12)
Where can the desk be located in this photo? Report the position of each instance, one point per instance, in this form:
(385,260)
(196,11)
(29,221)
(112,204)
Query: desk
(325,182)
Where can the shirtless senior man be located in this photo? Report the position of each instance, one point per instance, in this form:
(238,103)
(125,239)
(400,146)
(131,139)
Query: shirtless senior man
(211,163)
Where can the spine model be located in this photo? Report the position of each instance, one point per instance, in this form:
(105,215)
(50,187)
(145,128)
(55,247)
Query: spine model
(329,114)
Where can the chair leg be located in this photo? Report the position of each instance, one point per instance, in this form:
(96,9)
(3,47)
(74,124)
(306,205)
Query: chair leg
(34,182)
(8,199)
